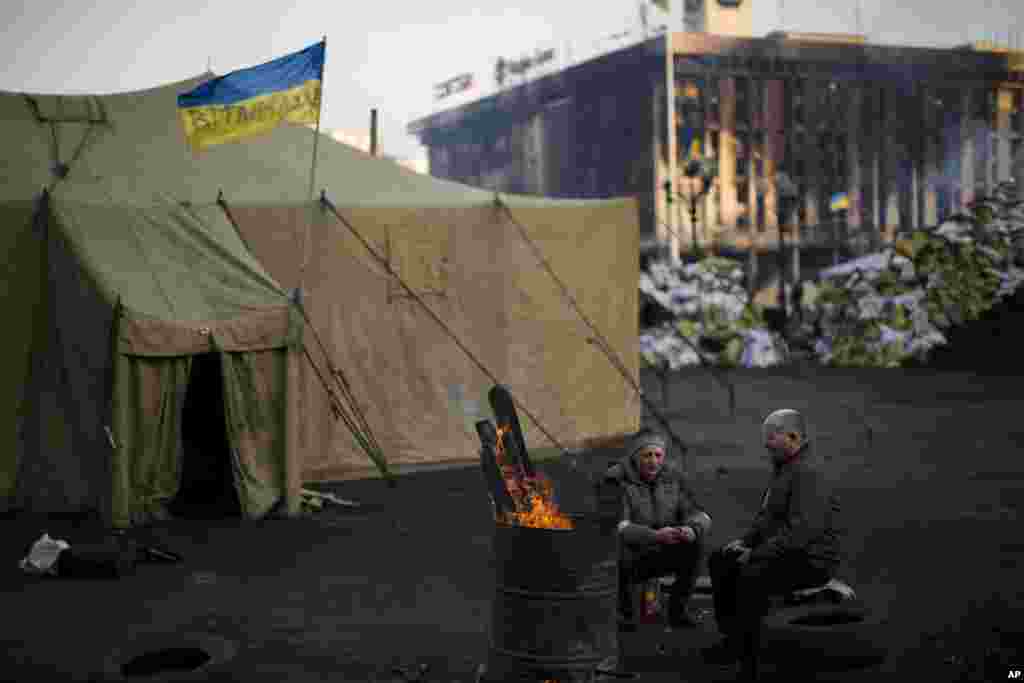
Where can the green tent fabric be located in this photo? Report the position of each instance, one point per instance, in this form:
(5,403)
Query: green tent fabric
(130,147)
(127,296)
(134,214)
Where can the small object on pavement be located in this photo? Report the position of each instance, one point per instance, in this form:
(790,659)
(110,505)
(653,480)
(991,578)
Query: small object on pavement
(605,672)
(317,498)
(412,674)
(42,558)
(154,553)
(110,559)
(650,607)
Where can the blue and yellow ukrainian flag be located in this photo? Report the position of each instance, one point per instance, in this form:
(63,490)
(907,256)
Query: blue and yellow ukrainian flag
(691,143)
(255,100)
(839,201)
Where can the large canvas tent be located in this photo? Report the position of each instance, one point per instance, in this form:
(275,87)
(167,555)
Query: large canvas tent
(117,167)
(118,302)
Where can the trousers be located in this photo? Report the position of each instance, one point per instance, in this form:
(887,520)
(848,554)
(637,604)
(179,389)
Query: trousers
(742,591)
(680,560)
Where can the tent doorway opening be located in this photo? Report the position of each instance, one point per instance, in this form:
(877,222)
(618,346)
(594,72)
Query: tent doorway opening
(208,488)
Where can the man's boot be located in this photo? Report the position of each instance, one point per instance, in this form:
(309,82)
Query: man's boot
(725,652)
(750,660)
(679,614)
(626,615)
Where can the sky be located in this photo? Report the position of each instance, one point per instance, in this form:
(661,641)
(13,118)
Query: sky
(390,55)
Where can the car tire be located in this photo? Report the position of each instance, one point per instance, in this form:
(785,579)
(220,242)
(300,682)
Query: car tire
(831,636)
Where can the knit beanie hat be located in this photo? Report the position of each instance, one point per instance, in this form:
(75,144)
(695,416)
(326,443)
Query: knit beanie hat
(785,420)
(647,438)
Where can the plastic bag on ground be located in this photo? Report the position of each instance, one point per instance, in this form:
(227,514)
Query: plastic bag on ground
(42,558)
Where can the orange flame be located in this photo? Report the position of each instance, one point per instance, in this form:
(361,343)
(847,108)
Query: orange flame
(534,496)
(500,450)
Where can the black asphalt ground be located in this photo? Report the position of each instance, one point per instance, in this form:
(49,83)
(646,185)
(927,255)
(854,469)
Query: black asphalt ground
(929,468)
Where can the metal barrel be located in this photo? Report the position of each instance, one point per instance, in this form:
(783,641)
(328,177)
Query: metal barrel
(554,609)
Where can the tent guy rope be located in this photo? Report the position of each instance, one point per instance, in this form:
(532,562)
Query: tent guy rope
(599,339)
(469,354)
(355,420)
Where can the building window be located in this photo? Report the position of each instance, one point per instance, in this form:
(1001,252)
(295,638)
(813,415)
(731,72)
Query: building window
(798,89)
(1017,113)
(842,163)
(981,104)
(711,101)
(799,170)
(441,156)
(756,89)
(742,101)
(832,99)
(743,155)
(689,105)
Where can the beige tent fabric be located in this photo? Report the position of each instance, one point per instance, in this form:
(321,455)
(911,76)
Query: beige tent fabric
(568,378)
(420,392)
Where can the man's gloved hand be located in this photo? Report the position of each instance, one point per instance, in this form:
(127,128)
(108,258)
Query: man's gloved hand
(669,535)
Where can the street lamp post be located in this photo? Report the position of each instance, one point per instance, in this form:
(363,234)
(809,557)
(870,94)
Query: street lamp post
(704,170)
(787,193)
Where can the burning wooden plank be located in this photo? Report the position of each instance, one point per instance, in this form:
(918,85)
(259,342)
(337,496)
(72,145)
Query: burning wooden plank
(503,501)
(504,408)
(519,499)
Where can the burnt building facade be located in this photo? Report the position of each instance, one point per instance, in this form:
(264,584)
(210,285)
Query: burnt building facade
(906,136)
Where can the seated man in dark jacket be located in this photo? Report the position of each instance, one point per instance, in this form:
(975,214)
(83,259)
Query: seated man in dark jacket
(793,542)
(662,527)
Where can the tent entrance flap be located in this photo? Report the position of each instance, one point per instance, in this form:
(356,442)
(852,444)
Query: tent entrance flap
(208,489)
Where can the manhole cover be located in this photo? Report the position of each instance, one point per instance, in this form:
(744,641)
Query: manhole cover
(165,660)
(161,656)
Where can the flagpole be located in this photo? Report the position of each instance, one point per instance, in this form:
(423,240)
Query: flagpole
(312,173)
(316,133)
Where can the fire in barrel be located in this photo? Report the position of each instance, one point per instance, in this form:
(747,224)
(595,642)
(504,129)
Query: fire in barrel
(553,616)
(533,495)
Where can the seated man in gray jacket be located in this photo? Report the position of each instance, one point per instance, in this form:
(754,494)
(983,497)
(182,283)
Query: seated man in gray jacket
(793,542)
(662,527)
